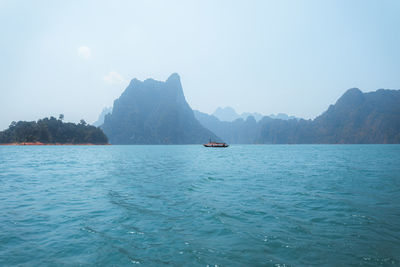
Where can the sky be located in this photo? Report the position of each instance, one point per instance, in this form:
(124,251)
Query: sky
(295,57)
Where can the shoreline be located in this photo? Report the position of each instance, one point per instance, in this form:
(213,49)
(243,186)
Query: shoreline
(51,144)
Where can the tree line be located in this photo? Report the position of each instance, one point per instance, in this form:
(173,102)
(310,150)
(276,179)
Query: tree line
(52,130)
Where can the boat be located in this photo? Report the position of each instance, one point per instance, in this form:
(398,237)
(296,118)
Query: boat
(215,144)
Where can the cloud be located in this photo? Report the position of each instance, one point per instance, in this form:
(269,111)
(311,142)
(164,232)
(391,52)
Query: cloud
(84,52)
(114,77)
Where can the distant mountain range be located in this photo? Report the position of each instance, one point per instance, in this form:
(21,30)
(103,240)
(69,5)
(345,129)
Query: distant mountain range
(100,119)
(154,112)
(229,114)
(238,131)
(356,118)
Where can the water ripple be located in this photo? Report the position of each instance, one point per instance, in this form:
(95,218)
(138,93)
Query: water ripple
(187,205)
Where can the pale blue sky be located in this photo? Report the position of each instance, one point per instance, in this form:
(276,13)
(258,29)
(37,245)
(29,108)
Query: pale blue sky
(297,57)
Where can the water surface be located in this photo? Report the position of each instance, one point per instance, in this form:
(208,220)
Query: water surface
(269,205)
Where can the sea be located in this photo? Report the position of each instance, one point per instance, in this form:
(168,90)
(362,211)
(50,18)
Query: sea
(246,205)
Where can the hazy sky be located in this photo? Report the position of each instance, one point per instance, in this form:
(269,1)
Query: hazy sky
(297,57)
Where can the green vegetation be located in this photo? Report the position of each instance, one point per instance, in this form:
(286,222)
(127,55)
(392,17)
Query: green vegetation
(51,131)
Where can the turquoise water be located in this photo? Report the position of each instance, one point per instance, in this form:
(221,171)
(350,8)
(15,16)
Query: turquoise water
(270,205)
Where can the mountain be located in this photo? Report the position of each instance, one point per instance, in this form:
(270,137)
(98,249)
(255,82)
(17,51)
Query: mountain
(51,131)
(154,112)
(277,131)
(356,118)
(229,114)
(226,114)
(100,119)
(239,131)
(359,117)
(255,115)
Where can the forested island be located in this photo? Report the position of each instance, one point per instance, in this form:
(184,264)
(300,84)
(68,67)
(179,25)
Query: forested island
(52,131)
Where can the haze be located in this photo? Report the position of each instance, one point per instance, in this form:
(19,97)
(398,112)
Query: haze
(295,57)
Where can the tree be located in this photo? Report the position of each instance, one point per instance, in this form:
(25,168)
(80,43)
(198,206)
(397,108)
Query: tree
(52,131)
(83,122)
(61,117)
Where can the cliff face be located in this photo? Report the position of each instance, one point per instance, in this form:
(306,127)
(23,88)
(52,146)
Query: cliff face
(154,112)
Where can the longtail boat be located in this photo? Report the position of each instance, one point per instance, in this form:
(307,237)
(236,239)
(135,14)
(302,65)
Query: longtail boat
(215,144)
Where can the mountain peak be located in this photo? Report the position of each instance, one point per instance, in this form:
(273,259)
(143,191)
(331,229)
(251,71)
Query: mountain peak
(226,114)
(353,91)
(173,77)
(352,96)
(134,81)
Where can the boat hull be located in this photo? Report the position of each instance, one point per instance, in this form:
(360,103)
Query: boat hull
(216,145)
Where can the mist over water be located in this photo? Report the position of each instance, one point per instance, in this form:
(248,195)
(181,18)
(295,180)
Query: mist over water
(273,205)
